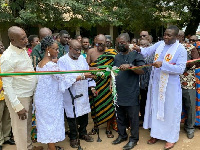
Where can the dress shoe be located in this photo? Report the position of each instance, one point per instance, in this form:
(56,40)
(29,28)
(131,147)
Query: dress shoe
(10,142)
(1,147)
(119,140)
(152,141)
(129,145)
(74,143)
(87,138)
(190,135)
(168,146)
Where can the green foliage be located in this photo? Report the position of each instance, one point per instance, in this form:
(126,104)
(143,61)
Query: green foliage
(130,15)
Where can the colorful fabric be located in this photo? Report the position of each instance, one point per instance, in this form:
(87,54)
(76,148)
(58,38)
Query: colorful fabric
(188,77)
(34,129)
(29,51)
(1,87)
(103,103)
(197,73)
(83,53)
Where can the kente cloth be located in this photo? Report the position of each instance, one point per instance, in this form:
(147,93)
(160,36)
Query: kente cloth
(197,73)
(1,87)
(104,105)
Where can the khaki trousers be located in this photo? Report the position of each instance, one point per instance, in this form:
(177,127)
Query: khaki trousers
(21,128)
(5,122)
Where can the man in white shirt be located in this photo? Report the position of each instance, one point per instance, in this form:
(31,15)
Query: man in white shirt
(19,89)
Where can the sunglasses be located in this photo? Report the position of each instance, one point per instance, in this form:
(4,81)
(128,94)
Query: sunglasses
(100,44)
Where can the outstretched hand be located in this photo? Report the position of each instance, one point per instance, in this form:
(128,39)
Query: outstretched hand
(137,48)
(157,64)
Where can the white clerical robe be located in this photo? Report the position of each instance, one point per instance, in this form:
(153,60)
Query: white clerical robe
(168,129)
(82,105)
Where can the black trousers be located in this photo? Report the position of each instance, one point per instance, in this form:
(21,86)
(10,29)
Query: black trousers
(143,94)
(82,123)
(132,112)
(189,101)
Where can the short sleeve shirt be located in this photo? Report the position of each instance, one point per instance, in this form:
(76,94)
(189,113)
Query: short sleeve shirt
(127,82)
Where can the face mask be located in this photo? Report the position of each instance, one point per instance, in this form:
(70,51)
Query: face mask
(122,48)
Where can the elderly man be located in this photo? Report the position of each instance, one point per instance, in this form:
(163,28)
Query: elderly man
(19,89)
(5,122)
(127,86)
(164,99)
(98,56)
(188,86)
(74,61)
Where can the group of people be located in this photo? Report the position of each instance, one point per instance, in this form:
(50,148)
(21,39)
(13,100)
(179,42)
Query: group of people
(63,101)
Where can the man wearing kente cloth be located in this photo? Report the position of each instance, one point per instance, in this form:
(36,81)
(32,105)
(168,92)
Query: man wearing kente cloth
(164,98)
(104,108)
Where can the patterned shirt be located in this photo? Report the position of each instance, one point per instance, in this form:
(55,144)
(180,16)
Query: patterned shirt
(188,77)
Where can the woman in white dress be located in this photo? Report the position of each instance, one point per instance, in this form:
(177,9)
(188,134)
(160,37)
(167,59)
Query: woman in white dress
(49,98)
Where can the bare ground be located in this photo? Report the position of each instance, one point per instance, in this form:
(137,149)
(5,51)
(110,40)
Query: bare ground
(183,144)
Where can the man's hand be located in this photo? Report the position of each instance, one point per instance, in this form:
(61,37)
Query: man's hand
(124,67)
(94,92)
(157,64)
(137,48)
(22,114)
(89,75)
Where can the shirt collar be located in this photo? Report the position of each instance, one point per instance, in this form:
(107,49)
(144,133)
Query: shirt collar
(16,49)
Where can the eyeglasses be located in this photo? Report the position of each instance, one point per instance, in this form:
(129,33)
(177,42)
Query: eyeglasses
(77,50)
(100,44)
(143,35)
(192,40)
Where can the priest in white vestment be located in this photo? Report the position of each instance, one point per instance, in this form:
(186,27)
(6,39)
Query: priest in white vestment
(164,99)
(79,85)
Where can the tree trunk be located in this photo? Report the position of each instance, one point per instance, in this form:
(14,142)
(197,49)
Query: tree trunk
(194,21)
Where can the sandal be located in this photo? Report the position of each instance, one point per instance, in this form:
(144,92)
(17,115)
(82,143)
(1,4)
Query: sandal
(93,132)
(109,134)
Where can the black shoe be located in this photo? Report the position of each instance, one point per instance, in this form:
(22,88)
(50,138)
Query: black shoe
(119,140)
(129,145)
(1,147)
(10,142)
(190,135)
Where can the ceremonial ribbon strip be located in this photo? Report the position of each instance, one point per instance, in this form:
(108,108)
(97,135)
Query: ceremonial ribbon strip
(105,69)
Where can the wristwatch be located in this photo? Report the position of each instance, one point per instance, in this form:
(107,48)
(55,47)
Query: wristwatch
(131,65)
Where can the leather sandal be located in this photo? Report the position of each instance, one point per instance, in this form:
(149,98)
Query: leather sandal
(169,146)
(152,141)
(109,134)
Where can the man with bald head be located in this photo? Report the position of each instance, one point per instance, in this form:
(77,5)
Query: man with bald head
(188,86)
(79,85)
(19,89)
(37,55)
(98,56)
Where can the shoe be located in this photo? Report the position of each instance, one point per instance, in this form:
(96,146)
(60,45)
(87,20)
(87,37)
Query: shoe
(190,135)
(37,148)
(87,138)
(152,141)
(1,147)
(129,145)
(10,142)
(119,140)
(168,146)
(74,143)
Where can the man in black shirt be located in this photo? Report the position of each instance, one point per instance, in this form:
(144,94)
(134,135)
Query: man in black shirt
(127,86)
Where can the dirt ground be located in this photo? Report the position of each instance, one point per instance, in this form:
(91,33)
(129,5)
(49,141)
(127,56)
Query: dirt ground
(183,144)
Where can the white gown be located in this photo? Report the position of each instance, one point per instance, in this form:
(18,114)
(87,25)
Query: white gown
(49,105)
